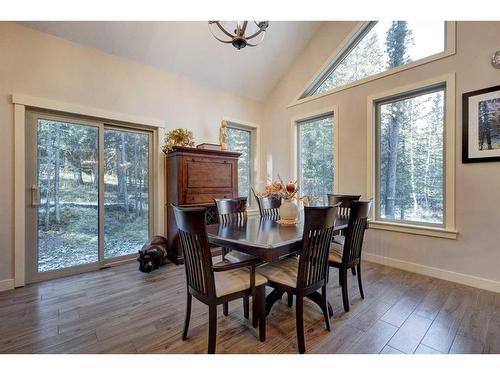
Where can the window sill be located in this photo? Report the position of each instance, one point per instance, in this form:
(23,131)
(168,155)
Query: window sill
(413,229)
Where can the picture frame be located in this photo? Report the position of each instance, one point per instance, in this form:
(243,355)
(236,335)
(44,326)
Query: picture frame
(481,125)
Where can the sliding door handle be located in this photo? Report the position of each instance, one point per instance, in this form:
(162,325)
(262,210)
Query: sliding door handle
(35,196)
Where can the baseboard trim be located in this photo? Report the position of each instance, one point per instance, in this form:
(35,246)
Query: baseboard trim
(6,284)
(438,273)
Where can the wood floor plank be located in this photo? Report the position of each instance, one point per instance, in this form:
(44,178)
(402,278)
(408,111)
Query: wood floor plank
(375,339)
(120,310)
(390,350)
(444,328)
(432,303)
(465,345)
(408,337)
(424,349)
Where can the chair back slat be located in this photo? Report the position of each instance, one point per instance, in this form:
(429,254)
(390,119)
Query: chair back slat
(346,202)
(319,225)
(268,206)
(196,250)
(231,210)
(355,231)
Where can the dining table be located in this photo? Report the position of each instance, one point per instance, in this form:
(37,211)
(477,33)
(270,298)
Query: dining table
(267,239)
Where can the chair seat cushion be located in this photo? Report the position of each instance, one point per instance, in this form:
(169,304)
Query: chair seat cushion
(228,282)
(283,272)
(336,251)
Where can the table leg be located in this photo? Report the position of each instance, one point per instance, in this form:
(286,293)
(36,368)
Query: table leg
(316,298)
(271,299)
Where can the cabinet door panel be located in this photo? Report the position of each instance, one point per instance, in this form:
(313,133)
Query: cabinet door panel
(208,173)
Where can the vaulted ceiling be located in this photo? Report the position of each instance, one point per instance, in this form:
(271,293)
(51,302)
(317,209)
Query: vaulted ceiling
(188,49)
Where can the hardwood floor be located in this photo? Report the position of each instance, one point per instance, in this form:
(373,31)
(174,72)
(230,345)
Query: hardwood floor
(120,310)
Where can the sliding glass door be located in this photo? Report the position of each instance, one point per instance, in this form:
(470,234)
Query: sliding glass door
(126,191)
(88,187)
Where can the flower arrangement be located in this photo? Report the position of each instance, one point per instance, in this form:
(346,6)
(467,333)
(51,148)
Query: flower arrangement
(178,137)
(287,192)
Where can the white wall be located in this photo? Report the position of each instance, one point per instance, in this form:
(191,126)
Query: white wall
(476,251)
(45,66)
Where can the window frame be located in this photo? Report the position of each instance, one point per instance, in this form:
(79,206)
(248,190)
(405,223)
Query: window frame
(254,154)
(447,229)
(392,99)
(295,141)
(349,42)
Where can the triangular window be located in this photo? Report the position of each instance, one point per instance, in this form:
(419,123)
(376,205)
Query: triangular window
(377,47)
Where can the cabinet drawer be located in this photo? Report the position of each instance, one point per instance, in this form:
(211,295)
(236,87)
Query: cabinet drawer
(194,198)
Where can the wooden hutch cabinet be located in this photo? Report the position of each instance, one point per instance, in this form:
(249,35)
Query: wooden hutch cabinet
(194,177)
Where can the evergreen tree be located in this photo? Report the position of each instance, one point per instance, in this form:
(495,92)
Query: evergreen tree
(397,41)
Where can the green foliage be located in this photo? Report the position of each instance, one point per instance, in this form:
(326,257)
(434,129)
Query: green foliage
(399,37)
(316,152)
(68,175)
(240,140)
(372,55)
(364,60)
(418,178)
(410,134)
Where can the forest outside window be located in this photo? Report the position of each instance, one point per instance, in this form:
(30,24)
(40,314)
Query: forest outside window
(315,157)
(410,158)
(378,47)
(93,182)
(241,139)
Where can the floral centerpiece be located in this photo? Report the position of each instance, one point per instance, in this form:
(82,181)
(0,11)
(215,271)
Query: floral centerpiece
(178,137)
(287,193)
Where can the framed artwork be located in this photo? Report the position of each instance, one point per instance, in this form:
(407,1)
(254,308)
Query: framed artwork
(481,125)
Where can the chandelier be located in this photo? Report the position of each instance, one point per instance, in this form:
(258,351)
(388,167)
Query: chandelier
(243,32)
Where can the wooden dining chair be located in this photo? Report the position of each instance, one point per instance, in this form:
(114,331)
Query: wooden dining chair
(306,274)
(214,284)
(348,255)
(268,206)
(235,211)
(345,201)
(231,209)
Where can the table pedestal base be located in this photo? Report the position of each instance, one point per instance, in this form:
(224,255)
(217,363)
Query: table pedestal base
(276,295)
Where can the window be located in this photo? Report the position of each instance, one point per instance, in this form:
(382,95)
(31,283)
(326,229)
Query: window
(240,139)
(410,157)
(315,156)
(126,190)
(378,47)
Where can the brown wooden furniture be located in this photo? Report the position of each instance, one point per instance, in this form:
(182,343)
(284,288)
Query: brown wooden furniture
(268,206)
(308,273)
(231,210)
(344,210)
(214,284)
(194,177)
(234,211)
(348,255)
(261,237)
(345,200)
(266,239)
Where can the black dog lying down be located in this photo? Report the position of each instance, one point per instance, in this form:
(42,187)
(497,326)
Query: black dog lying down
(153,254)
